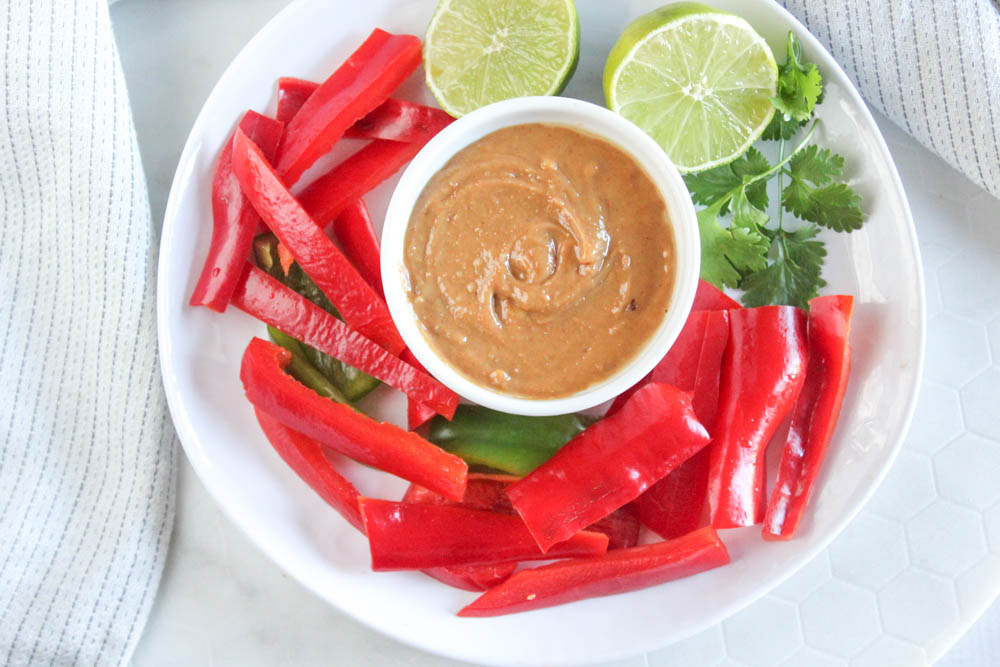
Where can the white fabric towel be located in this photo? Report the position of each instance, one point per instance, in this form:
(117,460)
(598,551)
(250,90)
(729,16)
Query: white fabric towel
(87,453)
(933,66)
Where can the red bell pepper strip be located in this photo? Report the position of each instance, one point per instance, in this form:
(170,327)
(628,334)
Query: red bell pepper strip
(609,464)
(414,536)
(417,414)
(234,220)
(354,229)
(815,415)
(709,297)
(305,456)
(318,256)
(340,427)
(285,258)
(762,372)
(674,506)
(394,119)
(358,174)
(292,94)
(476,578)
(482,491)
(615,572)
(399,120)
(267,299)
(362,83)
(487,491)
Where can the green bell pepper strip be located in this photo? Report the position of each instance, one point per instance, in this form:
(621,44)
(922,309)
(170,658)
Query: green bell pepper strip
(303,371)
(511,443)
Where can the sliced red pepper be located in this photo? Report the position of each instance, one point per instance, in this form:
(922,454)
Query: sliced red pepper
(482,491)
(234,219)
(267,299)
(476,578)
(394,119)
(710,297)
(292,94)
(609,464)
(340,427)
(354,229)
(306,457)
(413,536)
(615,572)
(417,413)
(488,491)
(674,506)
(318,256)
(360,173)
(762,373)
(399,120)
(362,83)
(815,415)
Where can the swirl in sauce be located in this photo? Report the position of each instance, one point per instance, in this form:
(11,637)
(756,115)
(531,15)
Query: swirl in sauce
(540,260)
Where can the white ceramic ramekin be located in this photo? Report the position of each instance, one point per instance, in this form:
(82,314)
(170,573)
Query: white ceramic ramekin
(588,118)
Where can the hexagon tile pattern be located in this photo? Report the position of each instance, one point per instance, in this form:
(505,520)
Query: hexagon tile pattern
(922,560)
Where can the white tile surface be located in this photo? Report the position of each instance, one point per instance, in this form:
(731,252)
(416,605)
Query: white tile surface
(897,588)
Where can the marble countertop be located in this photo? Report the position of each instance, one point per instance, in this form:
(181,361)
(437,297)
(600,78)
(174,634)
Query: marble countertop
(222,602)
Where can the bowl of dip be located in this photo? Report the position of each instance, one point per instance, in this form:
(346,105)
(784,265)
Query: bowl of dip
(540,255)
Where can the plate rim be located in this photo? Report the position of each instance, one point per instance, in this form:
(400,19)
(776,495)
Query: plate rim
(190,441)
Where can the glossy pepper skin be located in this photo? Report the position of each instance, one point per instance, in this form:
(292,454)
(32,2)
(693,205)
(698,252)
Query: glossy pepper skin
(305,456)
(354,229)
(814,416)
(762,373)
(615,572)
(340,427)
(414,536)
(475,578)
(292,94)
(417,414)
(394,119)
(364,81)
(234,219)
(514,444)
(488,491)
(318,256)
(710,297)
(481,492)
(674,506)
(358,174)
(610,464)
(265,298)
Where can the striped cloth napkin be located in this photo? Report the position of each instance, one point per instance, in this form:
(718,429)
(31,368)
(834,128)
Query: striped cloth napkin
(87,454)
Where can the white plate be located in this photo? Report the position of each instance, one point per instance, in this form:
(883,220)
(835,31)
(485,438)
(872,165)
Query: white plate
(200,353)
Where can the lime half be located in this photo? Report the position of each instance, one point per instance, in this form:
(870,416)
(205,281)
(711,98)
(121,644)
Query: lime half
(482,51)
(696,79)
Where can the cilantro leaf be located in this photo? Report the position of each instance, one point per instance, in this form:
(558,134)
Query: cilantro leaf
(813,194)
(794,277)
(728,253)
(835,206)
(800,84)
(799,90)
(745,214)
(816,166)
(753,163)
(707,187)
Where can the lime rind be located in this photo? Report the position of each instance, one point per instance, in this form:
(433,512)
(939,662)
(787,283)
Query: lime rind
(661,66)
(482,51)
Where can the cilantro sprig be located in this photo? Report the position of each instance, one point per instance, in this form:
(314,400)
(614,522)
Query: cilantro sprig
(772,264)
